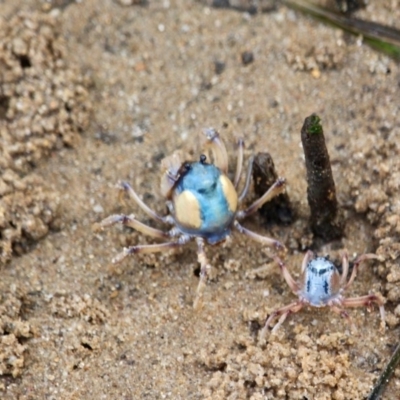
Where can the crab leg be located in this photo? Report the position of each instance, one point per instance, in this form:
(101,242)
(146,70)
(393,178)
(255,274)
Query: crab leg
(288,277)
(239,164)
(343,313)
(366,301)
(345,269)
(205,268)
(308,256)
(277,188)
(144,249)
(245,189)
(283,313)
(132,222)
(127,188)
(357,263)
(340,311)
(259,238)
(218,149)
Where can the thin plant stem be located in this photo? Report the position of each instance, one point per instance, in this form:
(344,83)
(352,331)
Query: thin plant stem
(386,375)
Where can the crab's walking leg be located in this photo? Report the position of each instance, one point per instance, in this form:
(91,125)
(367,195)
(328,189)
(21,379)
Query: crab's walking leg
(127,188)
(288,277)
(283,313)
(259,238)
(340,311)
(239,164)
(357,263)
(344,314)
(345,269)
(307,258)
(277,188)
(245,189)
(218,149)
(145,249)
(367,301)
(205,267)
(132,222)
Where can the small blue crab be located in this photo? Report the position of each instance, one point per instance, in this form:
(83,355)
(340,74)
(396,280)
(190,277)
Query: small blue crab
(203,205)
(321,285)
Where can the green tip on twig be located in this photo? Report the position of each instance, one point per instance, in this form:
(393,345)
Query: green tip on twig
(315,127)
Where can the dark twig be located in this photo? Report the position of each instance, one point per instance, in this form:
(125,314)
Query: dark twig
(326,219)
(386,375)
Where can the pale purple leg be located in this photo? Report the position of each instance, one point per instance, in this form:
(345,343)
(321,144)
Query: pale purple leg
(357,263)
(132,222)
(345,268)
(218,149)
(245,189)
(344,314)
(367,301)
(125,187)
(260,238)
(205,268)
(145,249)
(277,188)
(283,313)
(294,286)
(307,258)
(239,164)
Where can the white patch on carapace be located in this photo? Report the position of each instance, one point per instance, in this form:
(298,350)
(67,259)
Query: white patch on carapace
(320,282)
(187,210)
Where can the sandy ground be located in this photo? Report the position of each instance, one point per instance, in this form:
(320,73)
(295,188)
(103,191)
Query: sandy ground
(93,92)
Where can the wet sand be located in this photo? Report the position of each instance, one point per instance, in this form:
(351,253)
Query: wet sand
(96,92)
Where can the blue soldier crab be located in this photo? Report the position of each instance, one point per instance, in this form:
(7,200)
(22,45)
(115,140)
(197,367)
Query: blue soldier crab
(203,206)
(321,285)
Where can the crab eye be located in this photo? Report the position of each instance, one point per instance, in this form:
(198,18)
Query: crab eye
(186,167)
(203,158)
